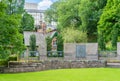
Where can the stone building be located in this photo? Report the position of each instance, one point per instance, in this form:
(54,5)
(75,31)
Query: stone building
(40,43)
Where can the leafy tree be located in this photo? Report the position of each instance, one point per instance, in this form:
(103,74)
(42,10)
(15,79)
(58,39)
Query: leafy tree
(51,13)
(27,23)
(90,11)
(109,24)
(11,41)
(65,12)
(15,6)
(68,14)
(80,14)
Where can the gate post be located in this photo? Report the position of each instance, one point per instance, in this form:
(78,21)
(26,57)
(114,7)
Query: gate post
(118,50)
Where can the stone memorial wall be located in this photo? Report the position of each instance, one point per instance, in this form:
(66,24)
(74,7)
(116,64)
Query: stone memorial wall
(81,51)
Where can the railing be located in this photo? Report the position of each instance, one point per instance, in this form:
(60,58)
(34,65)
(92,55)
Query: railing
(30,55)
(107,54)
(55,53)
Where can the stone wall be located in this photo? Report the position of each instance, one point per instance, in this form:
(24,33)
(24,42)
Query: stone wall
(91,51)
(15,67)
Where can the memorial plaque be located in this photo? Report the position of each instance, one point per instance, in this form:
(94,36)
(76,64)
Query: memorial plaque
(80,51)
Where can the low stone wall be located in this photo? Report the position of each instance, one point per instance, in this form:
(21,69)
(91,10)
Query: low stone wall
(15,67)
(90,50)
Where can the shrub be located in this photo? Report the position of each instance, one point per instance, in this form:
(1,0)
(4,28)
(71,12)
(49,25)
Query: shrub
(33,42)
(49,41)
(13,58)
(59,43)
(71,35)
(3,62)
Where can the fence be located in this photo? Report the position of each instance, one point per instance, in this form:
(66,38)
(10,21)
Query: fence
(30,55)
(55,53)
(107,54)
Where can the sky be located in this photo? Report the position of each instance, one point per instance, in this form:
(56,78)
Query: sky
(42,4)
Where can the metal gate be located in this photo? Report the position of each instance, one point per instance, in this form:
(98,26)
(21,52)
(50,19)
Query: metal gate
(80,51)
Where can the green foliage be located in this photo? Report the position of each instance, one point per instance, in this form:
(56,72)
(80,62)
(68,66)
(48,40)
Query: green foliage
(101,42)
(90,11)
(49,45)
(68,13)
(64,12)
(71,35)
(80,14)
(15,6)
(60,42)
(3,62)
(33,42)
(11,41)
(12,58)
(109,24)
(27,22)
(51,14)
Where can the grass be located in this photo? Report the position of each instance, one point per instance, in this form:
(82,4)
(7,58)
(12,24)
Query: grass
(84,74)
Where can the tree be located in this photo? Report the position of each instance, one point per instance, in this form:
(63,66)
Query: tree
(51,13)
(80,14)
(27,23)
(90,11)
(65,12)
(15,6)
(49,45)
(109,24)
(68,14)
(11,41)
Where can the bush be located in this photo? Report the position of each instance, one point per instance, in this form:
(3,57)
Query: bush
(49,41)
(59,43)
(72,35)
(13,58)
(3,62)
(33,42)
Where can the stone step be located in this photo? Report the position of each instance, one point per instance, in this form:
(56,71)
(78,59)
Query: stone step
(113,65)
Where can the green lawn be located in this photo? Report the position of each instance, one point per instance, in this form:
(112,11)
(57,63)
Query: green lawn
(85,74)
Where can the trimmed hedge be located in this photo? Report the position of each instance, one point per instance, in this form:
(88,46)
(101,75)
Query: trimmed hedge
(13,58)
(3,62)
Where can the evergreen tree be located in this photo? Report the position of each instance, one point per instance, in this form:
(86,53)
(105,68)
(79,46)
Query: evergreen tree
(33,42)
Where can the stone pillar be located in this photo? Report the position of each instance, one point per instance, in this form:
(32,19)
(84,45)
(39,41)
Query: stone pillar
(118,50)
(43,52)
(69,51)
(92,51)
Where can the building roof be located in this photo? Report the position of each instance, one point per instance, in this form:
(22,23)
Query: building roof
(40,39)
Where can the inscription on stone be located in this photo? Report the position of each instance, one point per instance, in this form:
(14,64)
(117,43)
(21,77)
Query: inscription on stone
(80,51)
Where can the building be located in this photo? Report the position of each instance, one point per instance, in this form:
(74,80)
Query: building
(38,15)
(40,33)
(40,44)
